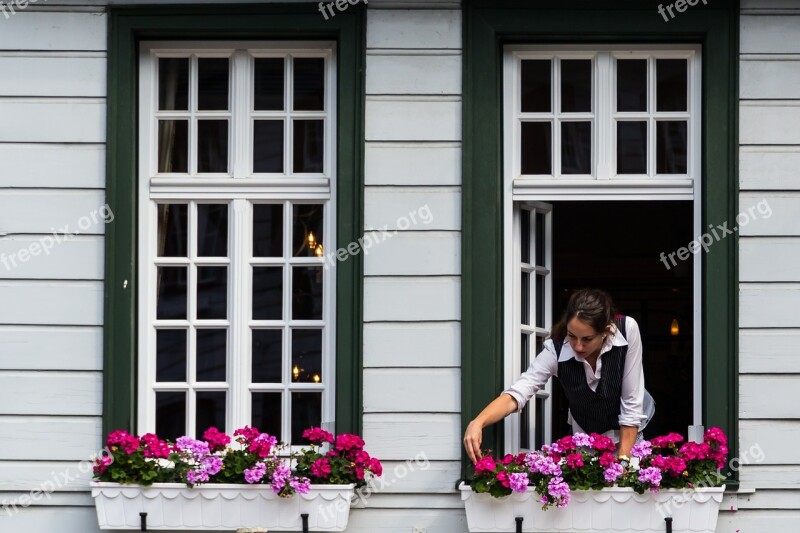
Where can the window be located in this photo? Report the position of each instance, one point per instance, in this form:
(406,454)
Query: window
(237,206)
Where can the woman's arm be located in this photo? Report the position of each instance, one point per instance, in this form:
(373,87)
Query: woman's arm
(631,414)
(501,407)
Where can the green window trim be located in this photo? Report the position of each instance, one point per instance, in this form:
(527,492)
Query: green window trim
(129,26)
(490,24)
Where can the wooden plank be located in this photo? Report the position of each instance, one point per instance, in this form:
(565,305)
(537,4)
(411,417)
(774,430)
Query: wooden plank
(400,253)
(79,258)
(50,75)
(769,499)
(412,208)
(769,351)
(778,34)
(769,167)
(770,78)
(777,215)
(49,211)
(413,74)
(768,4)
(66,476)
(62,303)
(769,122)
(764,396)
(413,119)
(60,120)
(422,390)
(436,344)
(51,393)
(43,30)
(51,519)
(391,500)
(410,299)
(402,520)
(413,164)
(769,259)
(769,442)
(420,29)
(757,521)
(771,305)
(400,437)
(770,477)
(44,438)
(419,476)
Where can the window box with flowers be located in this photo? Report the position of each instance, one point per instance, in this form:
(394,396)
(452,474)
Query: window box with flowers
(578,484)
(228,483)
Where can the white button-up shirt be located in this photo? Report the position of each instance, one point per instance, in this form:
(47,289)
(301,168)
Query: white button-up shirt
(636,405)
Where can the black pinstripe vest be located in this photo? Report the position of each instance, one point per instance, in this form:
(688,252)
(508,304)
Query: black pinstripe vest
(595,411)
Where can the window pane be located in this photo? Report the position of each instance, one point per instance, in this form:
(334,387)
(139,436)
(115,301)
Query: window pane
(524,421)
(173,84)
(536,148)
(307,355)
(525,298)
(267,230)
(671,147)
(525,235)
(309,84)
(631,85)
(535,85)
(170,355)
(576,147)
(267,355)
(267,413)
(212,146)
(538,437)
(171,296)
(539,301)
(173,146)
(268,146)
(671,84)
(269,81)
(306,413)
(212,292)
(541,260)
(632,147)
(210,411)
(267,293)
(307,293)
(307,231)
(212,83)
(212,230)
(212,354)
(308,145)
(170,415)
(576,85)
(173,230)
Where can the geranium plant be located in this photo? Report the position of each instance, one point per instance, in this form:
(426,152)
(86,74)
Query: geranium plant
(345,460)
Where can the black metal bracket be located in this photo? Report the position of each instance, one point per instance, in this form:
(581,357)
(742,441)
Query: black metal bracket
(519,520)
(143,519)
(304,518)
(668,520)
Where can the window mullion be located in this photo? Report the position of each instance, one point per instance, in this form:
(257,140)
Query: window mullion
(241,141)
(604,125)
(238,334)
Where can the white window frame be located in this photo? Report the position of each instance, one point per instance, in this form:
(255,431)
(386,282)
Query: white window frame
(240,188)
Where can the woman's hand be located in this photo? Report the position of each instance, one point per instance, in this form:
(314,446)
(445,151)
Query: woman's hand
(501,407)
(473,437)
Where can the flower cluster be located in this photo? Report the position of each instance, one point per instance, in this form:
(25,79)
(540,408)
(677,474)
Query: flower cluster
(250,456)
(589,462)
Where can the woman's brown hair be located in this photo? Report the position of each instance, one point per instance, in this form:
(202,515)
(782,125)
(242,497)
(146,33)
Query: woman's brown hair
(592,306)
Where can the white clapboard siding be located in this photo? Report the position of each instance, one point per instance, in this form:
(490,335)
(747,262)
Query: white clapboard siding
(768,499)
(407,28)
(420,475)
(42,30)
(412,208)
(413,74)
(769,167)
(52,165)
(403,520)
(63,303)
(410,390)
(769,351)
(412,164)
(50,519)
(772,305)
(81,257)
(404,436)
(772,521)
(778,34)
(770,477)
(383,500)
(70,120)
(43,438)
(775,78)
(398,299)
(769,259)
(768,442)
(436,344)
(48,74)
(408,118)
(768,4)
(45,211)
(766,396)
(399,254)
(51,393)
(769,214)
(61,475)
(47,499)
(769,122)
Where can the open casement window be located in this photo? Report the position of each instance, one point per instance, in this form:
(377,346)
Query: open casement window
(236,209)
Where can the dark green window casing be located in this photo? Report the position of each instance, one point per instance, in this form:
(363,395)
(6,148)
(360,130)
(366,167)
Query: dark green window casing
(128,27)
(491,24)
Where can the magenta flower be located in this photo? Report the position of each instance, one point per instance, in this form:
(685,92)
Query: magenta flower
(346,441)
(666,441)
(255,474)
(123,439)
(262,445)
(582,440)
(651,475)
(601,443)
(197,476)
(247,433)
(102,463)
(281,475)
(301,485)
(559,491)
(318,435)
(519,481)
(154,447)
(485,464)
(641,449)
(212,464)
(574,460)
(695,451)
(321,468)
(613,472)
(216,439)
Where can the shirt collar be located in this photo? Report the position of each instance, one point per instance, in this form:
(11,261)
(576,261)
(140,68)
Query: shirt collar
(615,339)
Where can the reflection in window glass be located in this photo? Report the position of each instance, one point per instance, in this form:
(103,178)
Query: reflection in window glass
(576,147)
(309,137)
(306,355)
(173,146)
(171,295)
(173,84)
(173,230)
(307,293)
(212,230)
(307,232)
(212,146)
(267,355)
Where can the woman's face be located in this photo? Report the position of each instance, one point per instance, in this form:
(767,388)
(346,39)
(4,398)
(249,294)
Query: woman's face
(583,338)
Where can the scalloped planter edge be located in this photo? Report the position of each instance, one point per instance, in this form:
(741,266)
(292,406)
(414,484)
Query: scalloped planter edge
(214,507)
(614,509)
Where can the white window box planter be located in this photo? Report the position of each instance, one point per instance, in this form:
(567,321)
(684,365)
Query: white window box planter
(614,509)
(173,506)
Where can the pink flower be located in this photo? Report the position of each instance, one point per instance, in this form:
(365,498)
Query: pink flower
(607,459)
(715,434)
(695,451)
(641,449)
(559,491)
(507,460)
(613,472)
(375,466)
(321,468)
(565,444)
(155,447)
(216,439)
(347,441)
(262,445)
(666,441)
(651,475)
(485,464)
(582,440)
(102,463)
(300,484)
(602,443)
(123,439)
(672,465)
(247,433)
(318,435)
(255,474)
(519,481)
(574,460)
(503,478)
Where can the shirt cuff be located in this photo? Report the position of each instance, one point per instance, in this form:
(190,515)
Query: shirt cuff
(632,420)
(517,398)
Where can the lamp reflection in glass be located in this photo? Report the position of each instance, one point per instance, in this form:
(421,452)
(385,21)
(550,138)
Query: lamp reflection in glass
(674,329)
(316,378)
(319,251)
(296,372)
